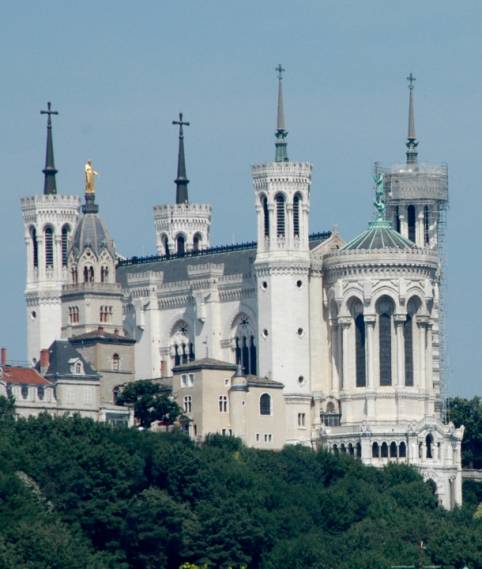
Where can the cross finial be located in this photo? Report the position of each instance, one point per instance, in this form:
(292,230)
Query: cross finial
(49,112)
(280,70)
(411,80)
(181,123)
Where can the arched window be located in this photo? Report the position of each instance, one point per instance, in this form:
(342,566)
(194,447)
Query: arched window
(356,310)
(280,215)
(196,243)
(165,243)
(384,450)
(33,235)
(182,347)
(412,308)
(397,219)
(24,391)
(91,274)
(335,449)
(104,274)
(426,225)
(75,275)
(351,451)
(265,404)
(411,219)
(385,310)
(180,245)
(358,450)
(41,392)
(375,450)
(429,445)
(49,247)
(65,243)
(402,450)
(115,362)
(342,448)
(86,274)
(393,450)
(264,203)
(296,215)
(245,344)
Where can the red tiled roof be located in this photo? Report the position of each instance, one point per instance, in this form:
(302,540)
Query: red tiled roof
(22,375)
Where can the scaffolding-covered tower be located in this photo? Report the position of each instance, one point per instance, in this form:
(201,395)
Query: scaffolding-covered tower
(416,198)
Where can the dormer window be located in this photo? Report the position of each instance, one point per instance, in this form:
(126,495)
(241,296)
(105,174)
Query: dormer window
(76,367)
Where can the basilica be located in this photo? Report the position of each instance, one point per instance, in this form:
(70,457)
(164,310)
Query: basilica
(294,338)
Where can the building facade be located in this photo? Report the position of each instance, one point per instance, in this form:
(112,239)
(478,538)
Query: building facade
(345,339)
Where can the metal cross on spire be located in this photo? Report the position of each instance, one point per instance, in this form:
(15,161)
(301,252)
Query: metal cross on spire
(281,153)
(181,181)
(50,186)
(412,143)
(411,80)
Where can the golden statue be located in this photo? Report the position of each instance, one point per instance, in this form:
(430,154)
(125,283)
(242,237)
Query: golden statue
(90,175)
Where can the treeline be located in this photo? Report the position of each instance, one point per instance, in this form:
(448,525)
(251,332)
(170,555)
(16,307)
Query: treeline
(78,494)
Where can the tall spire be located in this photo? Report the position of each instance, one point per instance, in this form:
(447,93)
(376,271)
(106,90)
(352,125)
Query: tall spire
(181,181)
(281,154)
(50,186)
(412,143)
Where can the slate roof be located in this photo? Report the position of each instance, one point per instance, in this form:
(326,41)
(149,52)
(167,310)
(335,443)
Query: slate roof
(379,235)
(61,354)
(100,335)
(205,363)
(92,232)
(22,375)
(235,258)
(255,381)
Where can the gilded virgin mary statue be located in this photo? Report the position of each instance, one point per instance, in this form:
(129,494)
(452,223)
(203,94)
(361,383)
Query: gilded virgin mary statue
(90,175)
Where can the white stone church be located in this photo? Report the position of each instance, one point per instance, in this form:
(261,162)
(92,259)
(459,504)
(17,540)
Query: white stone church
(293,338)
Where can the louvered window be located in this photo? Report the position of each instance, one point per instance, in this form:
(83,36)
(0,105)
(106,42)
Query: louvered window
(49,247)
(280,215)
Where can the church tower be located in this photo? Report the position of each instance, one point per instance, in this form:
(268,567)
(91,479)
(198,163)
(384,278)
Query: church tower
(416,197)
(416,194)
(92,299)
(282,193)
(182,227)
(49,221)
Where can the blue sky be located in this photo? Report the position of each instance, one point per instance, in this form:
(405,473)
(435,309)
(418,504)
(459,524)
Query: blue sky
(119,72)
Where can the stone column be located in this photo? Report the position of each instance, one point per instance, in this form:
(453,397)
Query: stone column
(58,257)
(345,323)
(335,378)
(420,237)
(272,226)
(370,320)
(422,325)
(260,224)
(41,257)
(289,237)
(403,222)
(399,320)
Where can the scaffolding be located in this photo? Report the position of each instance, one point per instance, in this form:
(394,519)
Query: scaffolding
(426,184)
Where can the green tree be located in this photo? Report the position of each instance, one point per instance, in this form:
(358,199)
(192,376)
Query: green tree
(7,408)
(150,403)
(468,412)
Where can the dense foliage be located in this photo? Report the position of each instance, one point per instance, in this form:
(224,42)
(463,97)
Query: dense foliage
(74,493)
(468,412)
(150,403)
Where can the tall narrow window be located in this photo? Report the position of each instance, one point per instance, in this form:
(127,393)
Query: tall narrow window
(408,340)
(280,215)
(360,351)
(33,235)
(165,242)
(196,244)
(252,356)
(265,216)
(429,445)
(49,247)
(223,403)
(238,352)
(397,219)
(385,309)
(411,219)
(115,362)
(265,404)
(296,215)
(65,244)
(426,225)
(192,357)
(181,245)
(245,356)
(187,404)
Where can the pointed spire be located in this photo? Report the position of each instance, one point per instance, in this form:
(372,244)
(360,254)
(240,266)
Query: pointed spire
(181,181)
(412,143)
(50,186)
(281,154)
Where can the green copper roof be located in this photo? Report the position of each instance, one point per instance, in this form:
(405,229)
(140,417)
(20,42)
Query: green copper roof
(379,235)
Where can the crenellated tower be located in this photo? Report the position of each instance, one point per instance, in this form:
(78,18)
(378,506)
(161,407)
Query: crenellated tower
(282,194)
(182,227)
(49,221)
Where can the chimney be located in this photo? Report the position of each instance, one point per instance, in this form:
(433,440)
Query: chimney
(3,357)
(44,360)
